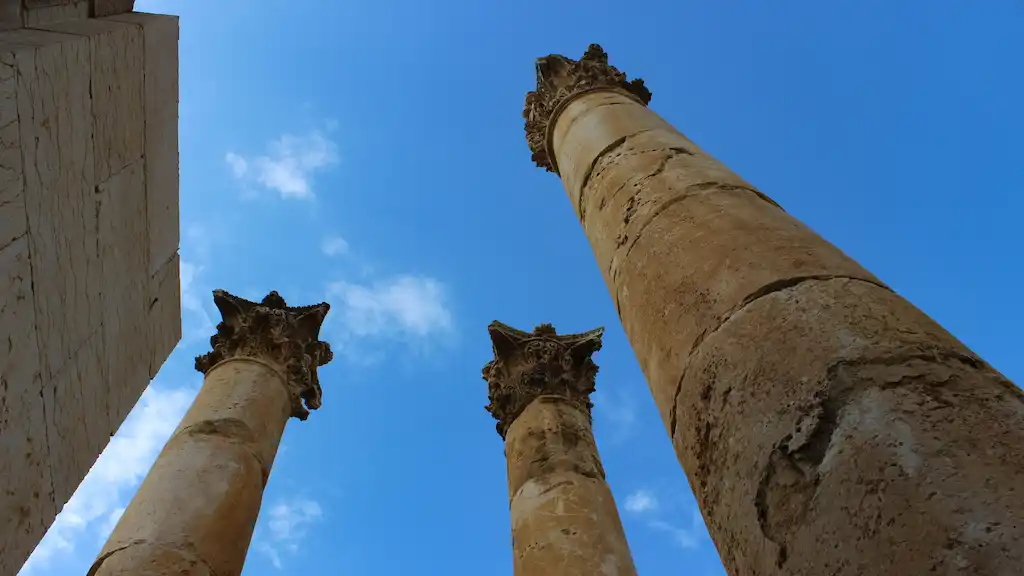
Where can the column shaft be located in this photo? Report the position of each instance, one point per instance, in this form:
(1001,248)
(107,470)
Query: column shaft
(196,509)
(564,519)
(826,425)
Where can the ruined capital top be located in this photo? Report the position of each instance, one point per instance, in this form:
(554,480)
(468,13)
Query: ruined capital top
(527,365)
(273,331)
(560,80)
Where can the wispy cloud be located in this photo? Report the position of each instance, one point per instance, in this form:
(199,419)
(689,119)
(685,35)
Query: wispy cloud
(239,166)
(334,246)
(404,306)
(645,505)
(287,522)
(95,507)
(199,324)
(641,501)
(289,166)
(617,411)
(681,536)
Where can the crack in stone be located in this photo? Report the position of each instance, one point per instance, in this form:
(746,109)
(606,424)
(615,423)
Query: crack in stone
(233,430)
(766,290)
(590,171)
(771,288)
(689,192)
(44,375)
(195,559)
(790,479)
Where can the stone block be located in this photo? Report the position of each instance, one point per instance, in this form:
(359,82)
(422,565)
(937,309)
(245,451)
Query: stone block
(164,313)
(108,7)
(26,491)
(162,186)
(78,421)
(10,15)
(160,40)
(116,63)
(160,34)
(48,12)
(126,337)
(55,114)
(122,232)
(123,245)
(12,186)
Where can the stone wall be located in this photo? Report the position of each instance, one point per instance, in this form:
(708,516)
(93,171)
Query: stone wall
(89,277)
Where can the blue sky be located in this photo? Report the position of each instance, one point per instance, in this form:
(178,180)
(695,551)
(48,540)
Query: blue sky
(372,154)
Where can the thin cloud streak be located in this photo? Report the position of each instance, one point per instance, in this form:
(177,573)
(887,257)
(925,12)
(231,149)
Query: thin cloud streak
(287,523)
(99,501)
(407,305)
(641,501)
(334,246)
(289,166)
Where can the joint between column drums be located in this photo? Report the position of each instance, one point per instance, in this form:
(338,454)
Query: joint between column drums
(593,164)
(233,430)
(192,558)
(549,131)
(264,363)
(766,290)
(696,189)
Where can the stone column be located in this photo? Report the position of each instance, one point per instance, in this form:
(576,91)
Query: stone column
(826,425)
(564,520)
(195,511)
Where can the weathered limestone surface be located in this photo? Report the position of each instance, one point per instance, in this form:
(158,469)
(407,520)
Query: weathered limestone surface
(91,307)
(826,425)
(29,13)
(564,519)
(102,8)
(26,490)
(196,509)
(117,81)
(10,15)
(164,313)
(161,132)
(41,12)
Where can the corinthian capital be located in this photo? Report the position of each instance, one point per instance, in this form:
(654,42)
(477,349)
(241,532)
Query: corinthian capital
(539,363)
(270,330)
(559,80)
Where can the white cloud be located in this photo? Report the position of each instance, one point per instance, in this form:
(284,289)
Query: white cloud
(287,523)
(618,410)
(289,166)
(100,499)
(334,246)
(200,325)
(641,501)
(683,537)
(239,166)
(406,305)
(645,503)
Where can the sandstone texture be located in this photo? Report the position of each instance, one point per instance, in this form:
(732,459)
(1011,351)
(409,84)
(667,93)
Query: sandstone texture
(825,424)
(196,510)
(564,519)
(91,302)
(198,505)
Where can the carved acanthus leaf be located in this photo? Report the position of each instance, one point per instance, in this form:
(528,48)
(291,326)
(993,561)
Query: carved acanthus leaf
(270,330)
(527,365)
(559,80)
